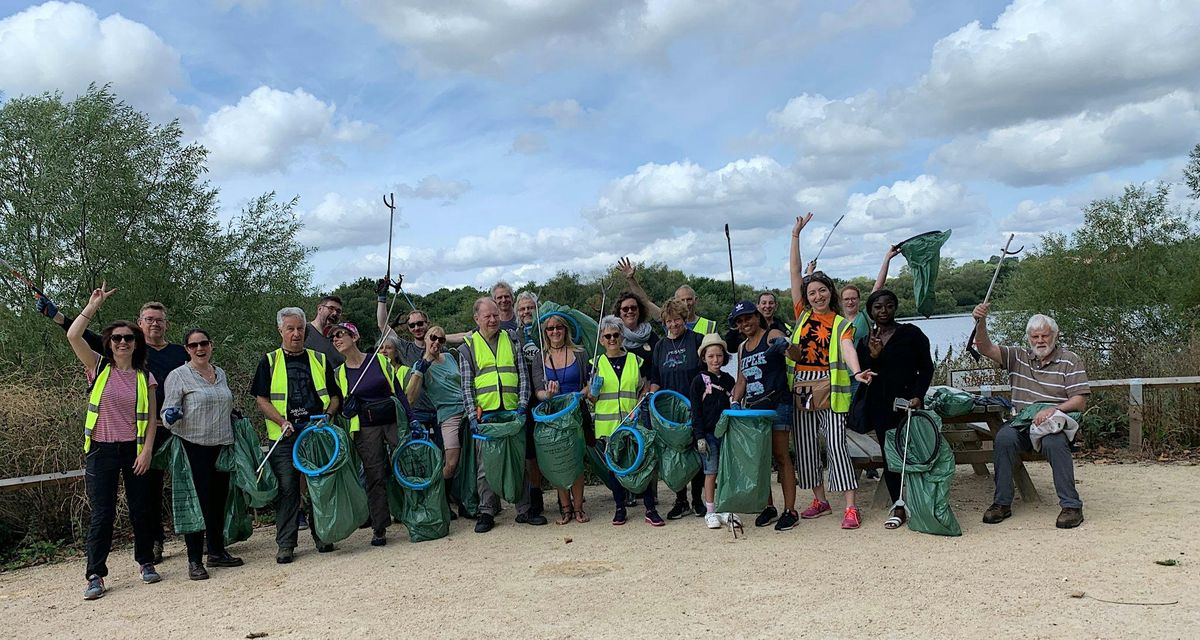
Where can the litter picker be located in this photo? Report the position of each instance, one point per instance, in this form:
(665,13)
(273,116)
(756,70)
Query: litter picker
(1004,253)
(729,245)
(827,236)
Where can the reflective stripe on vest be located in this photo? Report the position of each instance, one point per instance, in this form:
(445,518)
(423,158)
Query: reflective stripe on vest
(704,326)
(839,371)
(141,416)
(388,374)
(496,380)
(279,385)
(616,397)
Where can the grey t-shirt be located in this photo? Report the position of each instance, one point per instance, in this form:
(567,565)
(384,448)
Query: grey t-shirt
(319,343)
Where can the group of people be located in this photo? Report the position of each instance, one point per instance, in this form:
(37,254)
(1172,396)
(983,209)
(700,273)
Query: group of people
(145,390)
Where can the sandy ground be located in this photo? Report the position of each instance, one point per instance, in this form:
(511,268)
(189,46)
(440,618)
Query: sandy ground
(1009,580)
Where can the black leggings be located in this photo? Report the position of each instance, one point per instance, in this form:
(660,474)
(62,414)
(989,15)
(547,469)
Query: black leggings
(212,488)
(892,478)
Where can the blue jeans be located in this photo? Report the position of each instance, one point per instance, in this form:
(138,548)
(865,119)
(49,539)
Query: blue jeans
(709,461)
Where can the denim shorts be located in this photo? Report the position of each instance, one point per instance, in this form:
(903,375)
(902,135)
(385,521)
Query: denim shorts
(783,417)
(708,461)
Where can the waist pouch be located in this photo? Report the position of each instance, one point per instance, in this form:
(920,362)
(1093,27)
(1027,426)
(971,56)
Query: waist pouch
(378,413)
(812,395)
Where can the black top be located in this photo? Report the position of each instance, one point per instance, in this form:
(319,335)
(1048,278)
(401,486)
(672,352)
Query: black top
(765,374)
(159,362)
(302,394)
(676,361)
(709,395)
(904,369)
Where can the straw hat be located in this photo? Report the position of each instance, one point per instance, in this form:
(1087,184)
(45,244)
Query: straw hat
(708,341)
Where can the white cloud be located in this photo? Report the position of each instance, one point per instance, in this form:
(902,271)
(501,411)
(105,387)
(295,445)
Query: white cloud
(433,187)
(747,194)
(1035,217)
(1044,59)
(59,46)
(565,113)
(268,130)
(339,222)
(839,139)
(528,144)
(1056,150)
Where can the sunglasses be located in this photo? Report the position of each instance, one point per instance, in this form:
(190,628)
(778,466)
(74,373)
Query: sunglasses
(555,328)
(123,337)
(199,345)
(341,334)
(629,309)
(418,323)
(436,338)
(611,336)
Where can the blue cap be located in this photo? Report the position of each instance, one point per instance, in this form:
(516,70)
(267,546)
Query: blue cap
(745,307)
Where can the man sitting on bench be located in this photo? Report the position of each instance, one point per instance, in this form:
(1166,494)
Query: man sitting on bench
(1043,373)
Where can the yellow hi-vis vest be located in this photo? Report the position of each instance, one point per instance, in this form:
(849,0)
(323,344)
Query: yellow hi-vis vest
(279,385)
(839,372)
(617,397)
(704,326)
(141,410)
(496,380)
(388,374)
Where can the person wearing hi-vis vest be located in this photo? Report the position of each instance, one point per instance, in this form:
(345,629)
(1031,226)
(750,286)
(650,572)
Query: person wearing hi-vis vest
(618,382)
(489,365)
(290,385)
(118,439)
(685,294)
(822,361)
(368,385)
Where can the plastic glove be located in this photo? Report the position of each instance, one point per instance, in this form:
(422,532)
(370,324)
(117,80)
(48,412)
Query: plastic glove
(171,415)
(474,424)
(777,345)
(350,407)
(381,289)
(46,307)
(597,382)
(521,409)
(702,446)
(417,430)
(736,406)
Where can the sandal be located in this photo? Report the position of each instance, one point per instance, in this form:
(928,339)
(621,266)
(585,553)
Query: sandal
(565,514)
(898,519)
(581,516)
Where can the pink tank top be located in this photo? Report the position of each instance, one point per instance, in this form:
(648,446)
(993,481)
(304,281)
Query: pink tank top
(118,406)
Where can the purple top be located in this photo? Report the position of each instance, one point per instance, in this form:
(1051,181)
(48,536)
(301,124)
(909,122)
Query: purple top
(373,387)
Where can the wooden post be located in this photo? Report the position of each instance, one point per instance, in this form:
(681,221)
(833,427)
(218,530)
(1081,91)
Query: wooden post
(1135,415)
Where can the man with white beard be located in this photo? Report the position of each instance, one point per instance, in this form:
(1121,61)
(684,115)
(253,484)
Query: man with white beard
(1042,373)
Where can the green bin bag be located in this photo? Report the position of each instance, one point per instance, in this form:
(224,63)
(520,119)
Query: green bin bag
(239,525)
(558,439)
(632,456)
(744,468)
(594,463)
(949,402)
(671,418)
(339,503)
(502,452)
(185,504)
(924,255)
(464,486)
(417,469)
(247,489)
(928,469)
(584,329)
(1023,420)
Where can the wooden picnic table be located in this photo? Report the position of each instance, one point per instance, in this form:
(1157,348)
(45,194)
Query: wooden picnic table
(966,435)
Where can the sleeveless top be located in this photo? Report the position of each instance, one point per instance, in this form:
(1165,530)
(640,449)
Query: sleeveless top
(766,376)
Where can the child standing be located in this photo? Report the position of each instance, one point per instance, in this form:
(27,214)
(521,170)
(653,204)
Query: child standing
(709,394)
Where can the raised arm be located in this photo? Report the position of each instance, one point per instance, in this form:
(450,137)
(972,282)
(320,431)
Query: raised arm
(381,309)
(794,263)
(75,332)
(983,343)
(630,272)
(880,279)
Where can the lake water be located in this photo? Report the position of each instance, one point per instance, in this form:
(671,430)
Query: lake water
(945,332)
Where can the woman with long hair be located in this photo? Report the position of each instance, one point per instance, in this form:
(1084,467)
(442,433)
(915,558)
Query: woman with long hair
(564,370)
(118,439)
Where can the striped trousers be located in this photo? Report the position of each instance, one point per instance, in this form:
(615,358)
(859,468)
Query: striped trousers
(809,429)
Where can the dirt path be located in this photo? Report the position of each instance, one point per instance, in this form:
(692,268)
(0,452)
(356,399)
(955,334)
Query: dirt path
(1009,580)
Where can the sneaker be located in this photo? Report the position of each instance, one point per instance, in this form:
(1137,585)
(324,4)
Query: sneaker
(653,519)
(529,517)
(997,513)
(149,575)
(712,520)
(325,547)
(224,560)
(1069,518)
(850,519)
(678,511)
(817,509)
(196,571)
(787,521)
(699,509)
(302,521)
(157,550)
(619,517)
(285,555)
(379,538)
(484,523)
(95,588)
(766,517)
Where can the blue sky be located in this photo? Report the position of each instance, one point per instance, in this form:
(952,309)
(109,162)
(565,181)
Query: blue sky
(527,136)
